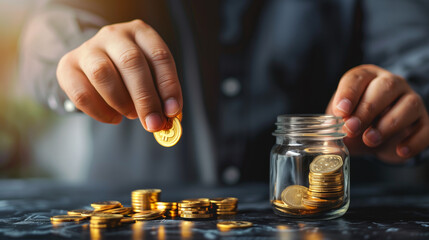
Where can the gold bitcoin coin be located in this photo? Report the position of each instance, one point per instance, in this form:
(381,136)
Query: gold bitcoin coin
(293,195)
(170,137)
(326,164)
(234,224)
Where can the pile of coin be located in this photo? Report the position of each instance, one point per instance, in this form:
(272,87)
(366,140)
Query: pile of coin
(144,199)
(225,206)
(326,182)
(196,208)
(325,191)
(146,206)
(169,209)
(104,220)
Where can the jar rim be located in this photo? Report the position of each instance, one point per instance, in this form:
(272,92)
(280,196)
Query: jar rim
(309,126)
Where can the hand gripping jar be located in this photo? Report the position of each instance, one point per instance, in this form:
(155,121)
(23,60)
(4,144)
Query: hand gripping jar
(310,167)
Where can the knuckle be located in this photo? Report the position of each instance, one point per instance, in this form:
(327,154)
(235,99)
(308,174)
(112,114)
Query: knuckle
(109,29)
(366,108)
(392,124)
(160,56)
(389,84)
(81,99)
(138,23)
(100,71)
(130,58)
(414,101)
(167,81)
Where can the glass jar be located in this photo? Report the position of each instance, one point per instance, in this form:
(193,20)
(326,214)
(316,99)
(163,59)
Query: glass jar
(310,167)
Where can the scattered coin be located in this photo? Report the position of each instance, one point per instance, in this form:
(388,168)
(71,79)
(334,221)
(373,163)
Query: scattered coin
(226,225)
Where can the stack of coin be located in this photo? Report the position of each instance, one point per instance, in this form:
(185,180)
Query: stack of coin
(225,206)
(105,205)
(147,215)
(103,220)
(169,209)
(326,182)
(144,199)
(325,191)
(196,208)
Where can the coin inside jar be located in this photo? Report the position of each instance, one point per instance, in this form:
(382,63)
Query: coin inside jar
(293,195)
(326,164)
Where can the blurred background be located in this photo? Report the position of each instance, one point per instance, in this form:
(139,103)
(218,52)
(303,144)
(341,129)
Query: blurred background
(36,143)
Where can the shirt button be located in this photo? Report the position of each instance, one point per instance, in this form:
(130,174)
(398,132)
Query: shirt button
(231,87)
(231,175)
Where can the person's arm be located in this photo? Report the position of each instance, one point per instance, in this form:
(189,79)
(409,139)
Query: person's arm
(53,29)
(386,105)
(124,69)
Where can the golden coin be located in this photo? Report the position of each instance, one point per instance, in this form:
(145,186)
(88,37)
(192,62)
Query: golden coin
(292,195)
(169,137)
(67,218)
(80,212)
(105,205)
(205,215)
(326,164)
(234,224)
(106,216)
(127,220)
(145,191)
(326,195)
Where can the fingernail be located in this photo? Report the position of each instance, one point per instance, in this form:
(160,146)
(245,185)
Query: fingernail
(345,106)
(171,107)
(353,125)
(153,122)
(374,136)
(404,151)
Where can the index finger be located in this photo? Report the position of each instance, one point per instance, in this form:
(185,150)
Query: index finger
(163,66)
(351,87)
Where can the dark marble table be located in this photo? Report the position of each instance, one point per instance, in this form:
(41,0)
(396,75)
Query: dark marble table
(375,213)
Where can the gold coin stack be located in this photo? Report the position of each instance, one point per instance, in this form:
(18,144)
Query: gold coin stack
(196,208)
(326,189)
(169,209)
(104,220)
(326,182)
(144,199)
(225,206)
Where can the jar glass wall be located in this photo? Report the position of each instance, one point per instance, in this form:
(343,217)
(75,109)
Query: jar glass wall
(310,167)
